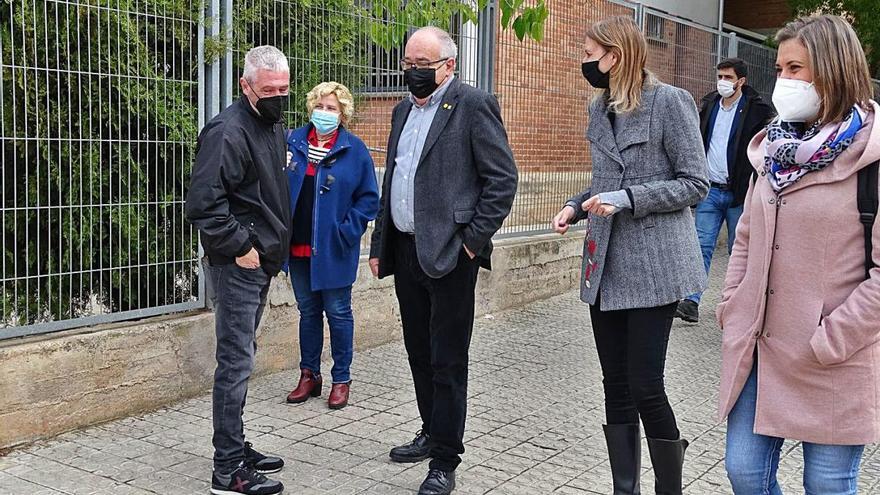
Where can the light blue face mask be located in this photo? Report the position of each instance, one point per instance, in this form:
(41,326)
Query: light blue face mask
(325,122)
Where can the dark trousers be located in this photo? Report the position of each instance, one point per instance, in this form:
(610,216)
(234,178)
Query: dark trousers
(438,319)
(632,351)
(239,296)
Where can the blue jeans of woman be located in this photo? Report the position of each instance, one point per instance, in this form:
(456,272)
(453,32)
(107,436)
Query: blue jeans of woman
(752,459)
(336,304)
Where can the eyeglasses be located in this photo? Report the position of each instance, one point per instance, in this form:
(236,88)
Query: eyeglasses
(406,65)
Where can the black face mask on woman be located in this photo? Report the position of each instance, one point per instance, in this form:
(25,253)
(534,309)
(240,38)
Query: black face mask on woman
(596,78)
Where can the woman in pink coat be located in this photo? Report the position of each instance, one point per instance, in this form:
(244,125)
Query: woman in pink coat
(800,319)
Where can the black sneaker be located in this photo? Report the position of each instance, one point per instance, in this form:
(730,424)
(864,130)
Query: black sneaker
(417,450)
(688,311)
(244,480)
(262,463)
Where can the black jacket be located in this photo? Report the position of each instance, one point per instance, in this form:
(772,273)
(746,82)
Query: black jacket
(238,196)
(755,114)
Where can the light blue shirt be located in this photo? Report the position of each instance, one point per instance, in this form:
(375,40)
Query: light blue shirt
(409,152)
(717,154)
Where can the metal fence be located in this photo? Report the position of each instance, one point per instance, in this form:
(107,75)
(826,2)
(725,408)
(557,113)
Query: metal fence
(685,54)
(100,105)
(97,124)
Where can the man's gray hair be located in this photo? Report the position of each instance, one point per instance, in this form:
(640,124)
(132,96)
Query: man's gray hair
(265,57)
(448,48)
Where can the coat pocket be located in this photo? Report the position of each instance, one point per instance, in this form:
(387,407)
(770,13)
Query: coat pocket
(463,217)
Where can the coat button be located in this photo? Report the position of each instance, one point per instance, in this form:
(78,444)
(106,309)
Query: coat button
(776,247)
(772,201)
(771,291)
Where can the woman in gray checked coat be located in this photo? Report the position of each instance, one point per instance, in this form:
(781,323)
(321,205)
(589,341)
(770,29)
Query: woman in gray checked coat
(641,253)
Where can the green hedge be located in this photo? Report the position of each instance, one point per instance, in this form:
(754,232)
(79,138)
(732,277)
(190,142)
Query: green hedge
(98,125)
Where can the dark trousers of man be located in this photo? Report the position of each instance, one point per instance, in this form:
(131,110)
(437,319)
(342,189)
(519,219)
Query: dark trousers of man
(239,296)
(438,319)
(632,351)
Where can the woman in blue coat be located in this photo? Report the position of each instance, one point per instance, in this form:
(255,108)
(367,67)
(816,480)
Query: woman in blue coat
(334,195)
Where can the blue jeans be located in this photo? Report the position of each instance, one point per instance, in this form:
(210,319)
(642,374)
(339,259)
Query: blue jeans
(752,459)
(336,303)
(711,213)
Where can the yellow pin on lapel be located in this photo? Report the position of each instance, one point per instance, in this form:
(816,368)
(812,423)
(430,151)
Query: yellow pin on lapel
(447,106)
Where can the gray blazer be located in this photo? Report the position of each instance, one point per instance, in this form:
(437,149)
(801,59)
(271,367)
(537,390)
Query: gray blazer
(464,185)
(648,256)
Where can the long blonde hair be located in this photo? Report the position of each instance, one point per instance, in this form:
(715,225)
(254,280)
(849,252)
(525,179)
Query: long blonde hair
(621,36)
(837,60)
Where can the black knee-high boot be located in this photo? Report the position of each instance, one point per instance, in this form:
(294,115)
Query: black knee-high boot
(667,456)
(625,454)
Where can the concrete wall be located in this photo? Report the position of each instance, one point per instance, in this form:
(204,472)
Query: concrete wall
(63,381)
(704,12)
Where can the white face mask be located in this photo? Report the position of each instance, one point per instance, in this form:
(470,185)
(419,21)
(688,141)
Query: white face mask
(796,101)
(726,88)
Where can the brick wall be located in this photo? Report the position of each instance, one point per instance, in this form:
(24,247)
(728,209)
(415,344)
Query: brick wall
(757,15)
(682,55)
(542,94)
(372,123)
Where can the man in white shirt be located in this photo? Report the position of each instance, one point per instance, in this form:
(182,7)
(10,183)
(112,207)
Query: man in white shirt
(729,118)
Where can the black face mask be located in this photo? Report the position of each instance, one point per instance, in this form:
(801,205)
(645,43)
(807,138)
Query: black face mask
(421,82)
(271,108)
(596,78)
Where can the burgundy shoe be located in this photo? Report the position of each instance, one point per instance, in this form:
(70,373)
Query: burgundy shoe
(338,395)
(309,386)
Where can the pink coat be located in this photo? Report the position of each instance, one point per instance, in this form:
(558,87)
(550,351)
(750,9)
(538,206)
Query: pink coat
(796,291)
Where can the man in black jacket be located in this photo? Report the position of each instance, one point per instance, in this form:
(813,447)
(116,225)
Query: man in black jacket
(239,200)
(450,180)
(729,118)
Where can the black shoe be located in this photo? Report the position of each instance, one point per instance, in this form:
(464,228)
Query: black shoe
(624,453)
(667,456)
(438,483)
(244,480)
(262,463)
(417,450)
(688,311)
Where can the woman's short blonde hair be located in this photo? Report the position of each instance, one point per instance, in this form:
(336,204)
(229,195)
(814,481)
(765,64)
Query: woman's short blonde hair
(837,60)
(346,100)
(621,36)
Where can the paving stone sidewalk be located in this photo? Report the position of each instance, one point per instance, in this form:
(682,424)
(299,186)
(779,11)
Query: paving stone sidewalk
(534,427)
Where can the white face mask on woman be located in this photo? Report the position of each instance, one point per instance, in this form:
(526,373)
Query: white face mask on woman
(795,100)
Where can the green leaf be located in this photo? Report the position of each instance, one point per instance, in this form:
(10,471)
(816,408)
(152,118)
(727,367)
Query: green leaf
(537,31)
(519,27)
(507,12)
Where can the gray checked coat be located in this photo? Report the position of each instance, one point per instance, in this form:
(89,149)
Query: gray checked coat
(648,256)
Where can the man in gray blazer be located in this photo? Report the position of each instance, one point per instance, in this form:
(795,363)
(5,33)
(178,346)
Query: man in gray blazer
(450,180)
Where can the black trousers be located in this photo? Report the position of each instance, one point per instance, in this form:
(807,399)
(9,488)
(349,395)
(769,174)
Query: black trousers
(438,319)
(632,351)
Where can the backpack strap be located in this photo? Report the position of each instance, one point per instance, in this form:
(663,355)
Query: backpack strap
(868,201)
